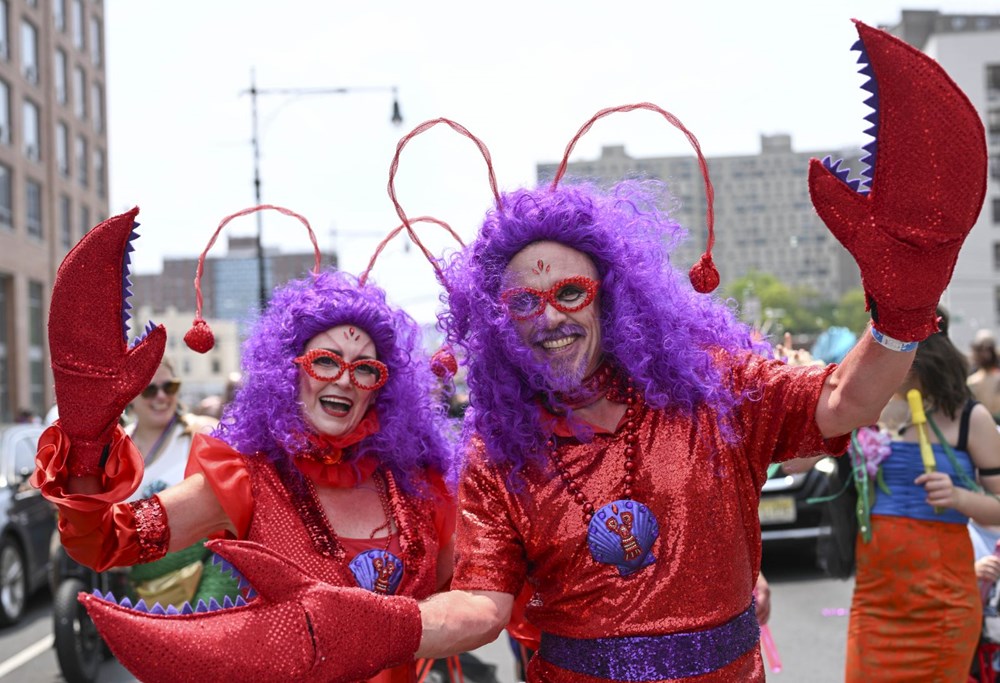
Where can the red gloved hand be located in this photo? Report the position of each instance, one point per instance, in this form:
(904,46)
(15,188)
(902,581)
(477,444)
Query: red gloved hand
(928,185)
(96,374)
(295,628)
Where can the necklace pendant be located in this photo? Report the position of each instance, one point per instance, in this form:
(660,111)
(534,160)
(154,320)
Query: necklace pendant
(378,571)
(622,534)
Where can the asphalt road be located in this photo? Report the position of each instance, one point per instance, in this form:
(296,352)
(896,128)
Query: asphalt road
(808,621)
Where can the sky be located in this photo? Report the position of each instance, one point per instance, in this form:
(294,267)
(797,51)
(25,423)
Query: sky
(521,75)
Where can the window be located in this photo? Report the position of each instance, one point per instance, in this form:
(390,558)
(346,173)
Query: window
(32,138)
(65,221)
(78,24)
(99,173)
(82,162)
(61,68)
(29,51)
(96,44)
(97,106)
(79,92)
(36,353)
(62,149)
(993,82)
(5,305)
(4,113)
(6,209)
(33,202)
(85,225)
(993,126)
(59,15)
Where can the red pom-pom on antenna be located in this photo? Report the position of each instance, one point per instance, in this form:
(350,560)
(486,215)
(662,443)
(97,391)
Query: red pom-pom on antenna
(704,275)
(200,338)
(443,363)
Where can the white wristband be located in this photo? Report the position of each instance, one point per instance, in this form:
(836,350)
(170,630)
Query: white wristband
(892,344)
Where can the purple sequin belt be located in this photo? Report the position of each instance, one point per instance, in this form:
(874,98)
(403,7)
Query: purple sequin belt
(654,658)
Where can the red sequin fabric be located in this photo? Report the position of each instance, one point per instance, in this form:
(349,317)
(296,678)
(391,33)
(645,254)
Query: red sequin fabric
(151,524)
(703,489)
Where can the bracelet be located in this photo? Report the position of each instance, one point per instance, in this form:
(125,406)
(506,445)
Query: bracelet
(989,471)
(152,528)
(892,344)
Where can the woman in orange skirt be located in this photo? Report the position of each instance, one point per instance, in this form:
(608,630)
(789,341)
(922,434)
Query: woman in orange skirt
(916,613)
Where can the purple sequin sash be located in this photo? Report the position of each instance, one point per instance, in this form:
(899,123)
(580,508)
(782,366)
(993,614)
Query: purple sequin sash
(654,658)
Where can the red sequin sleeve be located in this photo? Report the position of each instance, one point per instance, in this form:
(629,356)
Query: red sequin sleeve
(489,552)
(227,474)
(445,512)
(778,411)
(96,529)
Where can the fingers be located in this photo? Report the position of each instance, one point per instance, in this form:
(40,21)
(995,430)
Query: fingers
(988,568)
(939,487)
(762,592)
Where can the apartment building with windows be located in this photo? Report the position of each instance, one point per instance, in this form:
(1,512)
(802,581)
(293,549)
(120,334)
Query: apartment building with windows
(53,174)
(762,211)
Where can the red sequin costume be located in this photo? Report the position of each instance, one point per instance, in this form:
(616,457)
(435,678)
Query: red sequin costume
(703,490)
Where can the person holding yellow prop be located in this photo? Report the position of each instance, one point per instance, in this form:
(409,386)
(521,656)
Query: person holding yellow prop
(915,581)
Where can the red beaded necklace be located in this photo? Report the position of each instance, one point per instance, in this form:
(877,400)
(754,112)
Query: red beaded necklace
(633,404)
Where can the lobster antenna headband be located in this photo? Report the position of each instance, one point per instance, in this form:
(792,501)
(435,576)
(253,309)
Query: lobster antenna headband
(200,338)
(704,275)
(426,125)
(416,240)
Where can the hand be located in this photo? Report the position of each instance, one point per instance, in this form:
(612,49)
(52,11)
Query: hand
(96,374)
(988,568)
(928,186)
(762,591)
(941,491)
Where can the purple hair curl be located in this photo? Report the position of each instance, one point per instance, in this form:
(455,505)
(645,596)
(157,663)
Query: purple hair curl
(653,325)
(265,417)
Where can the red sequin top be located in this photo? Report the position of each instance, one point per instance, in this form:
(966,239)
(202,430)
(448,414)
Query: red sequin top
(703,489)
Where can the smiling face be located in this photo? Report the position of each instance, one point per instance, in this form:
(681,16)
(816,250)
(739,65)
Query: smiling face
(156,411)
(335,408)
(567,340)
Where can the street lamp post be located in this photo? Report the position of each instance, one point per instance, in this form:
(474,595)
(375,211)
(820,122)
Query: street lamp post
(396,118)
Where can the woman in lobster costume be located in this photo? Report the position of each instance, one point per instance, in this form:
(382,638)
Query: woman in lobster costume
(332,462)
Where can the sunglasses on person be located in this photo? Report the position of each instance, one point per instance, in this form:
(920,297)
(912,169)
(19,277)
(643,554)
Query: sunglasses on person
(326,366)
(170,387)
(569,295)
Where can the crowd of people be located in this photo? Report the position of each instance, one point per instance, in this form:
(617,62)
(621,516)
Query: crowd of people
(600,500)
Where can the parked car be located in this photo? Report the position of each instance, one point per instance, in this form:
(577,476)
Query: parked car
(27,522)
(788,520)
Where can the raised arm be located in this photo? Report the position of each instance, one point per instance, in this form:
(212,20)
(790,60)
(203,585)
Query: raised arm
(855,393)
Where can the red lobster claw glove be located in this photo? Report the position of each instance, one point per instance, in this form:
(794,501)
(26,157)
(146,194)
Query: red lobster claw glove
(928,182)
(96,373)
(293,628)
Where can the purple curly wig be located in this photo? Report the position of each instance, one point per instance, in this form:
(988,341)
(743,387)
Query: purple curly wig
(265,417)
(653,325)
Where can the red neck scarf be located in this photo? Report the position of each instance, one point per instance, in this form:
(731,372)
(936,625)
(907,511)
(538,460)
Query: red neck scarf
(323,461)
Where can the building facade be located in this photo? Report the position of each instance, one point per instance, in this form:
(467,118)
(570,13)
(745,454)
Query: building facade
(53,174)
(968,47)
(229,283)
(762,211)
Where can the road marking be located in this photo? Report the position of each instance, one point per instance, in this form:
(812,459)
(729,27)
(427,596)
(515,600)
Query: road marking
(26,655)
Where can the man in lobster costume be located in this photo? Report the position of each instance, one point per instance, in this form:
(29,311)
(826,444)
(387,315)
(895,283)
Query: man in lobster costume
(614,408)
(623,424)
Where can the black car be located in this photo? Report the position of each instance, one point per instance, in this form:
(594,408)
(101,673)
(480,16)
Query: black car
(825,529)
(27,522)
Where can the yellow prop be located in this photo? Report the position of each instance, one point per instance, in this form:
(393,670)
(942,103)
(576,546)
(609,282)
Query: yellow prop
(916,402)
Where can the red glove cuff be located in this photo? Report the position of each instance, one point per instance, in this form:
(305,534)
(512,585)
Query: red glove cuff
(913,325)
(152,527)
